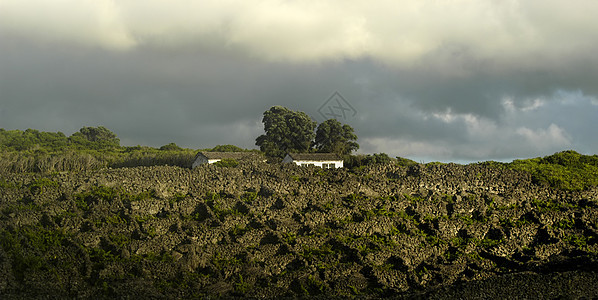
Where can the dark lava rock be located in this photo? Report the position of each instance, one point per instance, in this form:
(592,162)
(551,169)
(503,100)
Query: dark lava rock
(272,231)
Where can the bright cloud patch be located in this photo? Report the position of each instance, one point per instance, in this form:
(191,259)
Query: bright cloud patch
(403,32)
(553,136)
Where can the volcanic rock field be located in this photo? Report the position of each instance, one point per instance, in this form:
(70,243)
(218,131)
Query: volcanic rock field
(281,231)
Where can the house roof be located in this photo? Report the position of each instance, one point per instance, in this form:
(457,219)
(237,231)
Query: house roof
(227,155)
(315,156)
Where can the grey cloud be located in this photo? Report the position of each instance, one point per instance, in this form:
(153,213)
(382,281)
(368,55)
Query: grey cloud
(510,79)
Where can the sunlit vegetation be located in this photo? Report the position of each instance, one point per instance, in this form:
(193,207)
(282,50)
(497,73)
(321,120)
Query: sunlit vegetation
(566,170)
(90,148)
(97,147)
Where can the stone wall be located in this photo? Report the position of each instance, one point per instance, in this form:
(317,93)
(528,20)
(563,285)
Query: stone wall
(268,231)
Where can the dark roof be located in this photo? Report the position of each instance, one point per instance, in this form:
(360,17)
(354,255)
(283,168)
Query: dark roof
(315,156)
(227,155)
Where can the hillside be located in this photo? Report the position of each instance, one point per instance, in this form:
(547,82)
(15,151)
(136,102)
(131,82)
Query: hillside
(271,231)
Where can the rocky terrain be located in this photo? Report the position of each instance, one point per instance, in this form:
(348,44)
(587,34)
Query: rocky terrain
(275,231)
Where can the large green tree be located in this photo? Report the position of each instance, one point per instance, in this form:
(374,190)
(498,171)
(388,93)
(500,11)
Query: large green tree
(286,131)
(334,137)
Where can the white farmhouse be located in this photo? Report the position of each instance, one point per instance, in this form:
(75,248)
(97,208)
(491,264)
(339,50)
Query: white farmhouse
(324,160)
(212,157)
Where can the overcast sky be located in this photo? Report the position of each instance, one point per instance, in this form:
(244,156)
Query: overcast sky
(446,80)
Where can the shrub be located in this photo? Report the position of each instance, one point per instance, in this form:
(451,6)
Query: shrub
(171,147)
(227,148)
(227,163)
(356,161)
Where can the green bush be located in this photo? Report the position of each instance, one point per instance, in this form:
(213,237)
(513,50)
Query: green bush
(227,163)
(405,162)
(356,161)
(227,148)
(171,147)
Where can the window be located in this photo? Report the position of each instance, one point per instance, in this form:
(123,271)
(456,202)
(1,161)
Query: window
(328,166)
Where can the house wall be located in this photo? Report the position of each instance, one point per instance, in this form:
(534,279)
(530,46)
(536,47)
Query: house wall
(199,160)
(337,163)
(287,159)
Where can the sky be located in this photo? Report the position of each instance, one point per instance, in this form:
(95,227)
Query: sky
(443,80)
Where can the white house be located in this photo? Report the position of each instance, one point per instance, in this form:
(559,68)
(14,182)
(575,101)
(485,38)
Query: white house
(324,160)
(212,157)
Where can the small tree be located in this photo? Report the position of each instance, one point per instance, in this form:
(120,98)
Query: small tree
(171,147)
(227,148)
(286,131)
(333,137)
(95,138)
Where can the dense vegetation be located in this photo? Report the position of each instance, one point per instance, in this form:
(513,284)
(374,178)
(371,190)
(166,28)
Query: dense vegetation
(88,138)
(93,148)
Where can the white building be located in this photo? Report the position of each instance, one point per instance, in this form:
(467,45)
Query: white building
(212,157)
(323,160)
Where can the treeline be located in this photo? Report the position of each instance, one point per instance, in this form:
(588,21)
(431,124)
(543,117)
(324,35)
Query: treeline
(79,160)
(361,160)
(88,138)
(93,148)
(88,149)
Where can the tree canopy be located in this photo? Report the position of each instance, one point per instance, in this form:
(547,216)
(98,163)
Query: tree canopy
(286,131)
(227,148)
(171,147)
(31,139)
(95,138)
(334,137)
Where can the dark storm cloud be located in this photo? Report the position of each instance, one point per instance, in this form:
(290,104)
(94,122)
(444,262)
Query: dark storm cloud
(474,81)
(151,97)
